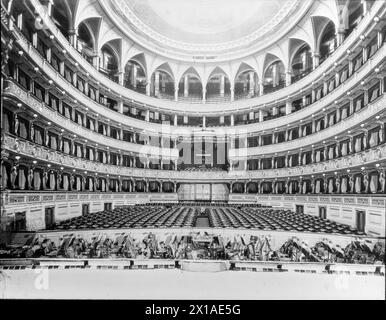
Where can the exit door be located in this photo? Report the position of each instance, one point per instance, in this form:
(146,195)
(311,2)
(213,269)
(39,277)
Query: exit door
(361,220)
(85,208)
(323,212)
(49,217)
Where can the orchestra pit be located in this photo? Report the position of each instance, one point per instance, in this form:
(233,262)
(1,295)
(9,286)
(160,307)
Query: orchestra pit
(192,150)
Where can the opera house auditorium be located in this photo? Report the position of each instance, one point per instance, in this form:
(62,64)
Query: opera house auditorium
(241,145)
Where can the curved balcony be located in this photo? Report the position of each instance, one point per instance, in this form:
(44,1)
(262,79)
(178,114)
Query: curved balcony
(336,130)
(340,128)
(172,106)
(39,107)
(31,150)
(351,83)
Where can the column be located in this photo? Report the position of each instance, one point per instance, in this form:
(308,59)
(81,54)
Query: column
(156,83)
(340,36)
(203,95)
(175,91)
(288,107)
(251,83)
(315,59)
(288,78)
(134,76)
(379,39)
(364,54)
(204,121)
(232,120)
(261,88)
(121,76)
(222,85)
(232,93)
(186,85)
(261,116)
(175,120)
(49,7)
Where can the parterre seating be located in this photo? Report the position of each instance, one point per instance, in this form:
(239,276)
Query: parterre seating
(185,215)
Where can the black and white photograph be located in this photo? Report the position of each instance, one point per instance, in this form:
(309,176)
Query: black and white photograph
(193,150)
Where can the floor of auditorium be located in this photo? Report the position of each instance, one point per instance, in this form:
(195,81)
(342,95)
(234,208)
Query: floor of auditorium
(177,284)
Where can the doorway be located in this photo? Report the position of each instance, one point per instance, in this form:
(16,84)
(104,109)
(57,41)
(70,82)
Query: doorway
(107,206)
(85,209)
(299,209)
(20,223)
(49,217)
(323,212)
(361,220)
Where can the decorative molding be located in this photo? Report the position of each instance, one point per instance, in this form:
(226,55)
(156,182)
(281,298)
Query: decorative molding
(29,149)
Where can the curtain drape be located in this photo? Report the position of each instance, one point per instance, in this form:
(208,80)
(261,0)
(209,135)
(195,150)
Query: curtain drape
(36,180)
(374,183)
(21,179)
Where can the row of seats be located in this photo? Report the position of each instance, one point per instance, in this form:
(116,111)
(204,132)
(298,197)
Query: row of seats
(133,217)
(161,216)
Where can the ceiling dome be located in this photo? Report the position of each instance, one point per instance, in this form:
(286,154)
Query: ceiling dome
(204,27)
(208,21)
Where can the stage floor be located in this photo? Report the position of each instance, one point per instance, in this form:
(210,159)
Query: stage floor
(177,284)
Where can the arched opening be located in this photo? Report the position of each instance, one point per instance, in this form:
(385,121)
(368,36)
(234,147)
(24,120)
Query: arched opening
(246,84)
(327,41)
(135,74)
(190,87)
(218,87)
(301,64)
(162,83)
(274,77)
(86,44)
(355,15)
(60,18)
(108,62)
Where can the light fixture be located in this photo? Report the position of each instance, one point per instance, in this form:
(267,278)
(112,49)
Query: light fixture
(52,36)
(85,172)
(76,64)
(335,172)
(19,104)
(36,69)
(74,135)
(49,165)
(86,108)
(348,170)
(64,51)
(376,19)
(377,165)
(34,162)
(377,117)
(49,123)
(17,158)
(50,81)
(20,52)
(75,101)
(348,51)
(62,130)
(376,70)
(63,92)
(362,168)
(61,168)
(85,140)
(362,125)
(73,170)
(348,93)
(362,37)
(35,115)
